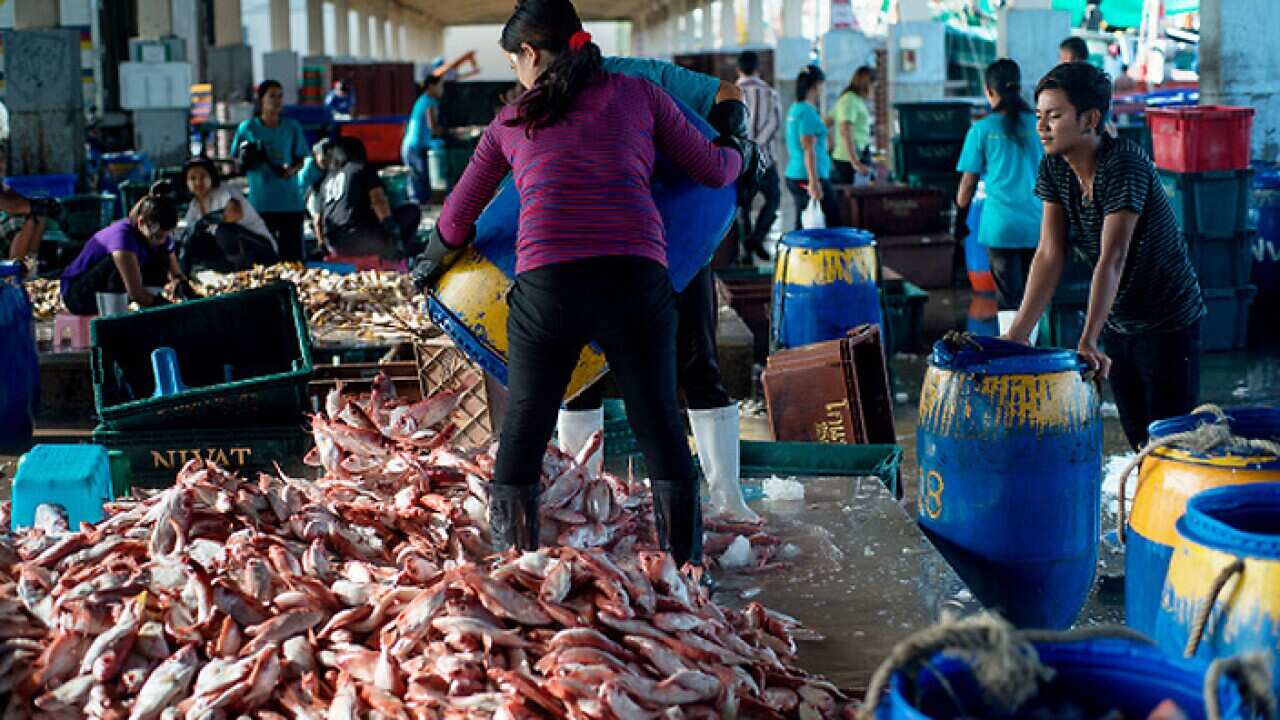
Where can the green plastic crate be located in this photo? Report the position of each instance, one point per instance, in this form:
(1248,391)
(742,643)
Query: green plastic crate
(932,121)
(925,158)
(395,182)
(904,311)
(810,459)
(155,456)
(261,334)
(121,473)
(619,441)
(85,215)
(1221,262)
(1210,204)
(1226,325)
(948,182)
(131,191)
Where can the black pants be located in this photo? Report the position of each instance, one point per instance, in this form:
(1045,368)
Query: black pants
(286,227)
(81,294)
(1153,377)
(1010,268)
(627,307)
(371,240)
(843,172)
(799,193)
(697,362)
(231,247)
(754,233)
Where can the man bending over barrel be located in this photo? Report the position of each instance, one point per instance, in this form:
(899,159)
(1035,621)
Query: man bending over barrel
(1145,302)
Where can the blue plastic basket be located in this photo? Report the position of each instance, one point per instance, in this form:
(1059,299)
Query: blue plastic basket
(49,186)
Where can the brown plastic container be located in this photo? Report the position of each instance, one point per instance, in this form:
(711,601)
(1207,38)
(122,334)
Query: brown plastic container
(834,392)
(927,260)
(749,292)
(894,209)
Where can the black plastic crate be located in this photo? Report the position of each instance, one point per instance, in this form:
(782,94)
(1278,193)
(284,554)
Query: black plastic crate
(1222,262)
(1226,326)
(904,313)
(1211,204)
(947,182)
(243,356)
(156,456)
(925,158)
(930,121)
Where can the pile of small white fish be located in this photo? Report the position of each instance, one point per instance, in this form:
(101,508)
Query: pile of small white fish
(371,593)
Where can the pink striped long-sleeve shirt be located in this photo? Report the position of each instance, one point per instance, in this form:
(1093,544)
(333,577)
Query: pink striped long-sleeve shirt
(584,182)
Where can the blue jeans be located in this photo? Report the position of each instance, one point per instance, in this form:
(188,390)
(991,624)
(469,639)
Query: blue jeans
(419,174)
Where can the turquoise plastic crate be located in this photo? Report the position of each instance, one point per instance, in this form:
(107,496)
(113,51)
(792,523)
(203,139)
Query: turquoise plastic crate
(1210,204)
(261,334)
(154,457)
(77,477)
(1222,262)
(1226,326)
(809,459)
(87,214)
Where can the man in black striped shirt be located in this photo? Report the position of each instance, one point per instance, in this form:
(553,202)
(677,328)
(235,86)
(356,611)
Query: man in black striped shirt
(1145,302)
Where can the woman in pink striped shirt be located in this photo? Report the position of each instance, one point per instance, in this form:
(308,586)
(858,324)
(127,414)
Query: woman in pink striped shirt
(590,258)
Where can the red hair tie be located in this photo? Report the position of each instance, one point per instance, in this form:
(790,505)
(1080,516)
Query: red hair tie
(579,40)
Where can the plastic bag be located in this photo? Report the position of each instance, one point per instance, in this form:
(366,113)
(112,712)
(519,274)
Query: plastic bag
(812,217)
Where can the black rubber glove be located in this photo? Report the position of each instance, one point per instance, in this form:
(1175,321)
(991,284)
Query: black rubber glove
(729,118)
(250,155)
(46,207)
(428,266)
(185,291)
(391,229)
(960,224)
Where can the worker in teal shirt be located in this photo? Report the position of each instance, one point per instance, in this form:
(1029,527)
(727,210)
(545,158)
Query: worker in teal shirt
(1004,151)
(421,134)
(270,150)
(808,156)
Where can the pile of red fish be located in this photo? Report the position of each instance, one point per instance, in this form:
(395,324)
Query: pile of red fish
(370,593)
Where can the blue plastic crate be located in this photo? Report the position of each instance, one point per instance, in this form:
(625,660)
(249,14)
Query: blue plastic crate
(45,186)
(1226,325)
(77,477)
(1212,204)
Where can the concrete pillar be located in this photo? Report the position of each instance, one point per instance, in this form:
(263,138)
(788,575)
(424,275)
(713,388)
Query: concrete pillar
(729,24)
(393,35)
(433,39)
(379,47)
(792,18)
(363,47)
(155,18)
(279,17)
(755,22)
(1022,36)
(315,27)
(341,28)
(638,26)
(683,12)
(1237,69)
(32,14)
(708,27)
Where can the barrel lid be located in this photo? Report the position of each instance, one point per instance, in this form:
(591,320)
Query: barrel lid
(988,355)
(1256,423)
(9,268)
(828,238)
(1237,519)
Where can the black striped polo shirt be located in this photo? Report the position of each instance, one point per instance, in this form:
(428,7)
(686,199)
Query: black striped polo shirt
(1159,291)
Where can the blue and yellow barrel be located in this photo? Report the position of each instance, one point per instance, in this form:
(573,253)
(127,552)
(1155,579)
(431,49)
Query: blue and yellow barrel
(824,284)
(469,302)
(1168,477)
(1227,560)
(1010,448)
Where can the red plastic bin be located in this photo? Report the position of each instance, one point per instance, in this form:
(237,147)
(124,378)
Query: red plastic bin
(1203,138)
(381,137)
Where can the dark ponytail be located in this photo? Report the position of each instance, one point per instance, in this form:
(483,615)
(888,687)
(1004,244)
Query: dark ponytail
(157,209)
(550,25)
(1004,78)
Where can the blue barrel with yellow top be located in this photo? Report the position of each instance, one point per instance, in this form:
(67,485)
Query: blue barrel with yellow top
(1221,595)
(824,283)
(469,302)
(1010,448)
(1217,453)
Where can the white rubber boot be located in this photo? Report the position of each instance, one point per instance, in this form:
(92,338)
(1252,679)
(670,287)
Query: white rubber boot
(575,428)
(716,433)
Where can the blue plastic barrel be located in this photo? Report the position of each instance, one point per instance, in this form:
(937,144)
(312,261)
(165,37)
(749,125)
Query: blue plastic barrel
(1266,249)
(824,284)
(1167,479)
(1010,447)
(20,377)
(1098,676)
(469,302)
(1223,527)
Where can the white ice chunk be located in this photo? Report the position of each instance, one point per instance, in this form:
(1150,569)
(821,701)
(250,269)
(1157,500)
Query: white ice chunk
(776,488)
(738,554)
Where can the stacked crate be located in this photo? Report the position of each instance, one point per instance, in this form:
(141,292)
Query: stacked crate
(930,137)
(1203,158)
(910,225)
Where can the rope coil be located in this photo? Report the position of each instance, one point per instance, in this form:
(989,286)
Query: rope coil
(1202,615)
(1205,437)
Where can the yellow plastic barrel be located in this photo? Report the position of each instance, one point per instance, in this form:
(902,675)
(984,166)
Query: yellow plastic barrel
(470,305)
(1174,471)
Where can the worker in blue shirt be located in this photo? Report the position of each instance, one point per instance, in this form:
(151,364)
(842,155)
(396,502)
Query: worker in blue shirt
(422,133)
(341,101)
(713,415)
(270,150)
